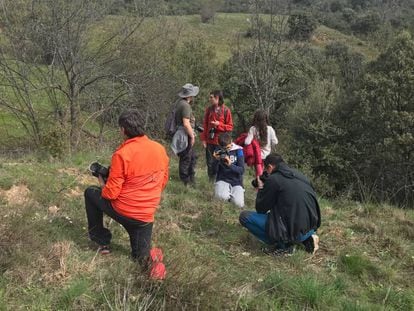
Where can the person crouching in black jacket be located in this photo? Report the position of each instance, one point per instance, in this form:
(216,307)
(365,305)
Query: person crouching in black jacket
(287,210)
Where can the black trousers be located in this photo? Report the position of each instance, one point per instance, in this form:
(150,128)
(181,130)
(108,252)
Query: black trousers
(186,164)
(212,163)
(139,232)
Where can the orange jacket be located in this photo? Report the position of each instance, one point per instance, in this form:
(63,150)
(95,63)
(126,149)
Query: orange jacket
(138,175)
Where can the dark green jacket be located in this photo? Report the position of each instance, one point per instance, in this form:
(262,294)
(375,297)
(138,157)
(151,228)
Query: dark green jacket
(291,202)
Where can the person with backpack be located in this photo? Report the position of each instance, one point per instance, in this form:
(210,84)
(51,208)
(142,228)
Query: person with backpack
(287,210)
(217,120)
(184,137)
(264,134)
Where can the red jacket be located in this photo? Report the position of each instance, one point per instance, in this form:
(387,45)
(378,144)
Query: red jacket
(252,153)
(225,123)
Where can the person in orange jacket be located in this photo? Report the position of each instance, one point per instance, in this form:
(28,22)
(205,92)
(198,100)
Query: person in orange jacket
(132,192)
(217,120)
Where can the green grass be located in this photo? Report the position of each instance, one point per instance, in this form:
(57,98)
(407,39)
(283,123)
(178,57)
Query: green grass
(47,263)
(227,30)
(324,35)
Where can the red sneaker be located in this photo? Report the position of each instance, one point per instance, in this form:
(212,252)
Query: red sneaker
(157,267)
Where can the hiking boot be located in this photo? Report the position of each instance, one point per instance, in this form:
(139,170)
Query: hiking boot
(277,252)
(104,250)
(311,244)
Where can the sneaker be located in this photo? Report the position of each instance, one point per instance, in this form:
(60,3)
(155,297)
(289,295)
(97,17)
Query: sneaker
(104,250)
(157,268)
(277,252)
(311,244)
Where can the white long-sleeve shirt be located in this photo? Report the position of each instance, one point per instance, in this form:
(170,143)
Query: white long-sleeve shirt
(271,140)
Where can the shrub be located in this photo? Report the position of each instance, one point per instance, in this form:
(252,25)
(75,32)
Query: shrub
(301,26)
(54,141)
(367,24)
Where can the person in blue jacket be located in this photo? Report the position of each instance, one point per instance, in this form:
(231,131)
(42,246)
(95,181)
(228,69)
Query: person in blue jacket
(229,178)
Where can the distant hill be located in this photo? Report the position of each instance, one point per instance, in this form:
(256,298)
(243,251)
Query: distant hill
(229,29)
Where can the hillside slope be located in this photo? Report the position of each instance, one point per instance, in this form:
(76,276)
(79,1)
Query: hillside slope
(46,262)
(229,29)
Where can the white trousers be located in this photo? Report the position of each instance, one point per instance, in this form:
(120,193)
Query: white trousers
(225,191)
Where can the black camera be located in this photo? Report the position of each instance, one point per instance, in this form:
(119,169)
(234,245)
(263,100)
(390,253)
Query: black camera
(199,128)
(212,132)
(262,177)
(222,153)
(99,170)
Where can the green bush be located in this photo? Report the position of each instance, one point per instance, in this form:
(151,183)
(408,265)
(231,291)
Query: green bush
(54,141)
(301,26)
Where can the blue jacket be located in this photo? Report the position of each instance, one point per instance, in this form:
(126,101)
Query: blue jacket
(232,174)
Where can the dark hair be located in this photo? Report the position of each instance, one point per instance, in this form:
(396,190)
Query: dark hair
(224,139)
(219,94)
(273,159)
(261,121)
(131,121)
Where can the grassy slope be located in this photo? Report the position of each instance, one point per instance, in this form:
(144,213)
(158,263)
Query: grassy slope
(223,33)
(226,31)
(324,35)
(46,262)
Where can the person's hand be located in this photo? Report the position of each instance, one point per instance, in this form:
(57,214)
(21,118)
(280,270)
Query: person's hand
(215,123)
(204,144)
(260,183)
(227,161)
(101,181)
(216,155)
(192,140)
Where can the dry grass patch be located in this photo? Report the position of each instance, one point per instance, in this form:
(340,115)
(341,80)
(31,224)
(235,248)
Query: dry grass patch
(17,195)
(55,266)
(74,192)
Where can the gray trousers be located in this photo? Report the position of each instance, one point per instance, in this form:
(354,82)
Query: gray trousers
(225,191)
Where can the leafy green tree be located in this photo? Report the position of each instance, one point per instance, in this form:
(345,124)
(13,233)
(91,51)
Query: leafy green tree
(349,15)
(336,6)
(301,26)
(232,6)
(367,23)
(264,74)
(350,63)
(313,137)
(382,128)
(194,61)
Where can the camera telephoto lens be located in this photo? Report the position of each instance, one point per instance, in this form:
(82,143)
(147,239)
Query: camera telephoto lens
(94,168)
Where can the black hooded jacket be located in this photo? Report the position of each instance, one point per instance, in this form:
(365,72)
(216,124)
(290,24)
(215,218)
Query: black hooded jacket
(292,203)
